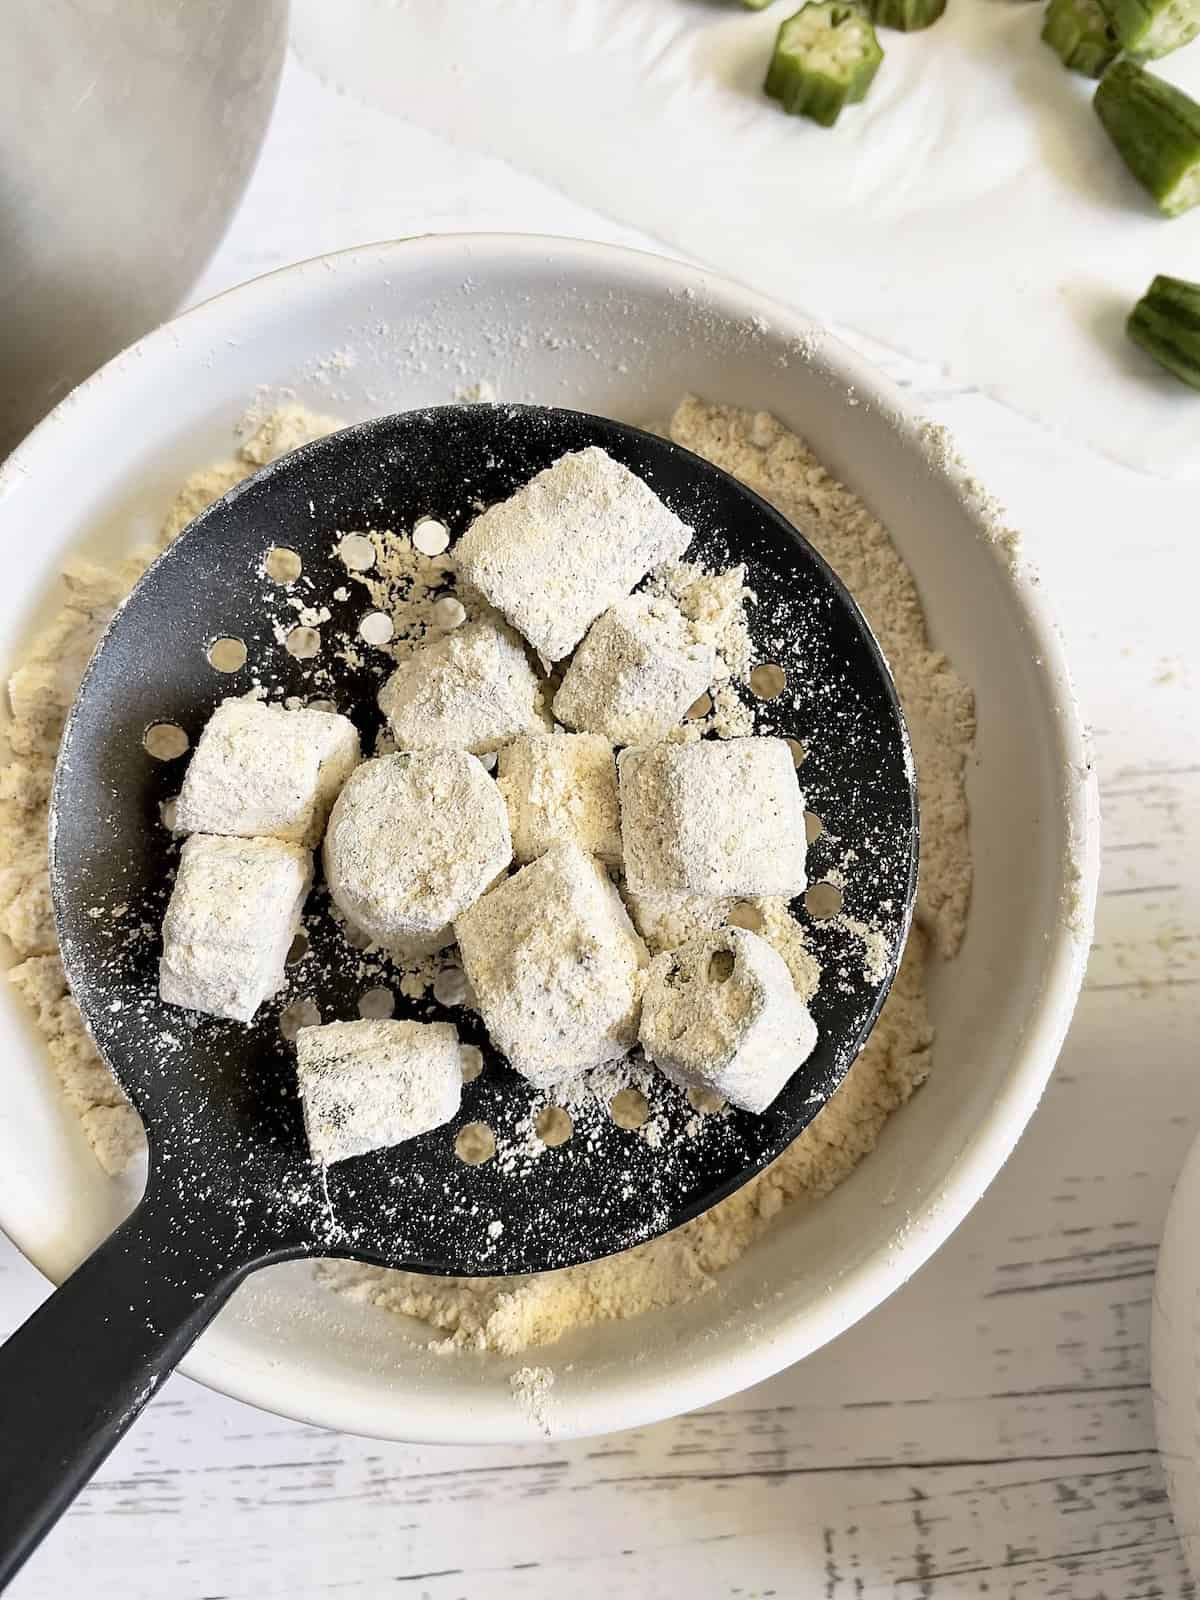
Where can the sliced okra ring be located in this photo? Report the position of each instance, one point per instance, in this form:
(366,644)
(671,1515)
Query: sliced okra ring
(825,57)
(1166,324)
(1156,129)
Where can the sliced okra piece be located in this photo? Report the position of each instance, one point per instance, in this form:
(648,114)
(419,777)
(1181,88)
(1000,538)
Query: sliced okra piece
(1080,34)
(906,16)
(1153,27)
(1166,324)
(825,57)
(1156,129)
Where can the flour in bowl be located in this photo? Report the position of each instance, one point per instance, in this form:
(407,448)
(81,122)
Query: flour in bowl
(512,1314)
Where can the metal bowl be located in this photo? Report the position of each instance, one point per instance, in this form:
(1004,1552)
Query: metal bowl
(128,131)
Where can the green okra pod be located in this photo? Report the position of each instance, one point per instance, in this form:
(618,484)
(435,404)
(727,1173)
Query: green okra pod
(906,16)
(1166,324)
(1156,129)
(1153,28)
(1079,32)
(825,57)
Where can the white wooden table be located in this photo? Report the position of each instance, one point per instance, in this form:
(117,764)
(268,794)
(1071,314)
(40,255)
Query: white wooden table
(988,1430)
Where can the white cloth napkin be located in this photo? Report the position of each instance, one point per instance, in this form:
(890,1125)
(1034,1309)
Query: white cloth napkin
(971,212)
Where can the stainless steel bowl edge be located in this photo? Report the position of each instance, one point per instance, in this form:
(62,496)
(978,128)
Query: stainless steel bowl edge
(128,132)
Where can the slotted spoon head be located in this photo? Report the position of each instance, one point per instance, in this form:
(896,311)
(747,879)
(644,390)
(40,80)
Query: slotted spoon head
(219,1098)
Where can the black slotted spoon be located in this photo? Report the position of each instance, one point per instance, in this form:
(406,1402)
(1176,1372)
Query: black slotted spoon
(230,1185)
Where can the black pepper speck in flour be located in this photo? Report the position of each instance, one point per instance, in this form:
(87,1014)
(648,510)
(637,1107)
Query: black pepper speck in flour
(417,593)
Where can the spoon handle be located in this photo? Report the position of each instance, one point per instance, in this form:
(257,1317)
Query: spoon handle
(75,1376)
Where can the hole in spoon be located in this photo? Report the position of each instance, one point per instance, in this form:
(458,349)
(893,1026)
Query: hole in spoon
(376,628)
(629,1108)
(300,1014)
(822,900)
(357,552)
(227,655)
(705,1101)
(450,986)
(430,536)
(282,565)
(376,1005)
(768,681)
(303,643)
(475,1144)
(165,741)
(553,1126)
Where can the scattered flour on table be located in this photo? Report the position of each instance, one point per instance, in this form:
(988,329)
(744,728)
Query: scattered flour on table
(511,1315)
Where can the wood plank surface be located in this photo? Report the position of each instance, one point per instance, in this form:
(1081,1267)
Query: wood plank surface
(989,1429)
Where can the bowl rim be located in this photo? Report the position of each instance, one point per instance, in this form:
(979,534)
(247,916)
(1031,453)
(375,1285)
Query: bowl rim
(867,1284)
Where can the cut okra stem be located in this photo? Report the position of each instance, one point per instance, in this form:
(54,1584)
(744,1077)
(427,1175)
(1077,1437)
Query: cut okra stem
(1156,129)
(1166,324)
(1080,33)
(906,16)
(825,58)
(1153,28)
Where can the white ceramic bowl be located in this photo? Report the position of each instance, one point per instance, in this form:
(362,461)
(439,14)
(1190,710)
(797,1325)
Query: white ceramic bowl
(391,326)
